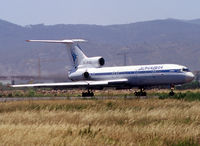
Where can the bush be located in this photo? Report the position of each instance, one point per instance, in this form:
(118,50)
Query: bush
(31,93)
(191,85)
(189,96)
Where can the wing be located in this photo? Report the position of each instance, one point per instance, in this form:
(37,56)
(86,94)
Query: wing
(104,83)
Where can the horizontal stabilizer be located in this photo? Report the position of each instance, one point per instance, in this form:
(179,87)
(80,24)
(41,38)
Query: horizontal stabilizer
(59,41)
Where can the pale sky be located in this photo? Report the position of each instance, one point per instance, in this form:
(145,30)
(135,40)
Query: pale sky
(101,12)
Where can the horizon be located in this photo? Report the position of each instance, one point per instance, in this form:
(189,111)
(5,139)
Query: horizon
(91,12)
(102,24)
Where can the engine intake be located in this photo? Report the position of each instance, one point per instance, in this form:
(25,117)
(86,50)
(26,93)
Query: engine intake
(101,61)
(86,75)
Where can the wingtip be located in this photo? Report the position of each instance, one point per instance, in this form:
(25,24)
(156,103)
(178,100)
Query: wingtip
(9,86)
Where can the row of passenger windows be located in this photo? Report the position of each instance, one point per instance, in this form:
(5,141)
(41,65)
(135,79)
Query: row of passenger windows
(135,72)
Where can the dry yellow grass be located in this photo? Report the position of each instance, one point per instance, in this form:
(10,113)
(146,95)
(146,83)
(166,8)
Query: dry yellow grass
(100,122)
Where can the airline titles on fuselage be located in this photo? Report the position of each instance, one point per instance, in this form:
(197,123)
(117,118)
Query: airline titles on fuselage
(150,68)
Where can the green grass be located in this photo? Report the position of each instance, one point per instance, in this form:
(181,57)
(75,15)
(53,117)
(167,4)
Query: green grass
(188,96)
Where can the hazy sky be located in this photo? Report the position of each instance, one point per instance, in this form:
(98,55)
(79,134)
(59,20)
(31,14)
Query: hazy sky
(102,12)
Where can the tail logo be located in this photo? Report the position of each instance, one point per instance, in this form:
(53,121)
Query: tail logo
(74,57)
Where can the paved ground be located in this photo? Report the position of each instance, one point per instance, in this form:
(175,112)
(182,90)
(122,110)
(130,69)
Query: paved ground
(6,99)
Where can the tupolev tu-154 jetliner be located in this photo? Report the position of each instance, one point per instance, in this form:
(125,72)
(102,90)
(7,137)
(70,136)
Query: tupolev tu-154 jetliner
(89,73)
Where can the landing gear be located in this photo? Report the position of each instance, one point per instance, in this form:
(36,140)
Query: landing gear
(88,94)
(171,93)
(141,92)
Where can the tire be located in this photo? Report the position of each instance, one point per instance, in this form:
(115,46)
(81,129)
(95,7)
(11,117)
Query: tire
(144,94)
(91,94)
(171,93)
(84,94)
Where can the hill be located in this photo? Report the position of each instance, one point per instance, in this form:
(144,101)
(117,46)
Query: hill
(195,21)
(150,42)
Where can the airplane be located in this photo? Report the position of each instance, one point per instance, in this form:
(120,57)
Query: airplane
(89,73)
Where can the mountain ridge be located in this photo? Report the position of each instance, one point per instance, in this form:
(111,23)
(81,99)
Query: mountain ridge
(149,42)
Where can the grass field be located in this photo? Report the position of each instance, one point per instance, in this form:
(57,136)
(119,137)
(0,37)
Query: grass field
(100,122)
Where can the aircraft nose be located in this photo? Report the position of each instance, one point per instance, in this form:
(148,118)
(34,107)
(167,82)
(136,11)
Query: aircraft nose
(189,76)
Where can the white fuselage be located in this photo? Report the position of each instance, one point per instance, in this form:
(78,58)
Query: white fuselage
(140,75)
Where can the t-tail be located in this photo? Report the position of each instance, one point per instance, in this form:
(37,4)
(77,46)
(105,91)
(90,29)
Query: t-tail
(78,58)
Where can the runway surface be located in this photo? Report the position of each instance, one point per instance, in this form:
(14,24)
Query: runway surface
(5,99)
(8,99)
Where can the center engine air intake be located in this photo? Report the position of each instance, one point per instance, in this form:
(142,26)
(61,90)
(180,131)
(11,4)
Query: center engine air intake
(101,61)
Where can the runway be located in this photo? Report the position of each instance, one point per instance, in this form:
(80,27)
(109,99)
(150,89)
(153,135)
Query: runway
(7,99)
(10,99)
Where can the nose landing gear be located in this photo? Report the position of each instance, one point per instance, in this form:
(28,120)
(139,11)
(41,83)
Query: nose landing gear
(171,93)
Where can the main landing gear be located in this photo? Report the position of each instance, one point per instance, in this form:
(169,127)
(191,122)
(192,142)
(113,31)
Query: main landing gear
(88,93)
(171,93)
(141,92)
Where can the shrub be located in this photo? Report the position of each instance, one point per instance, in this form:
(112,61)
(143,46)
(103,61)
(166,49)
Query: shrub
(189,96)
(31,93)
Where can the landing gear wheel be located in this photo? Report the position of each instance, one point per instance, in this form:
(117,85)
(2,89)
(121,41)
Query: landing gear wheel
(141,92)
(84,94)
(91,94)
(88,94)
(144,93)
(172,91)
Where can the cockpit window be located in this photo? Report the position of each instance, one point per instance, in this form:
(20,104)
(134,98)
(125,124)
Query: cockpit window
(185,70)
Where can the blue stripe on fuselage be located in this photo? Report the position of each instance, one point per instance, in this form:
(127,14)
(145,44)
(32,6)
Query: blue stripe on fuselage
(137,72)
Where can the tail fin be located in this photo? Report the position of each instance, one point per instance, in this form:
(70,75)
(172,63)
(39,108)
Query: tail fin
(77,55)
